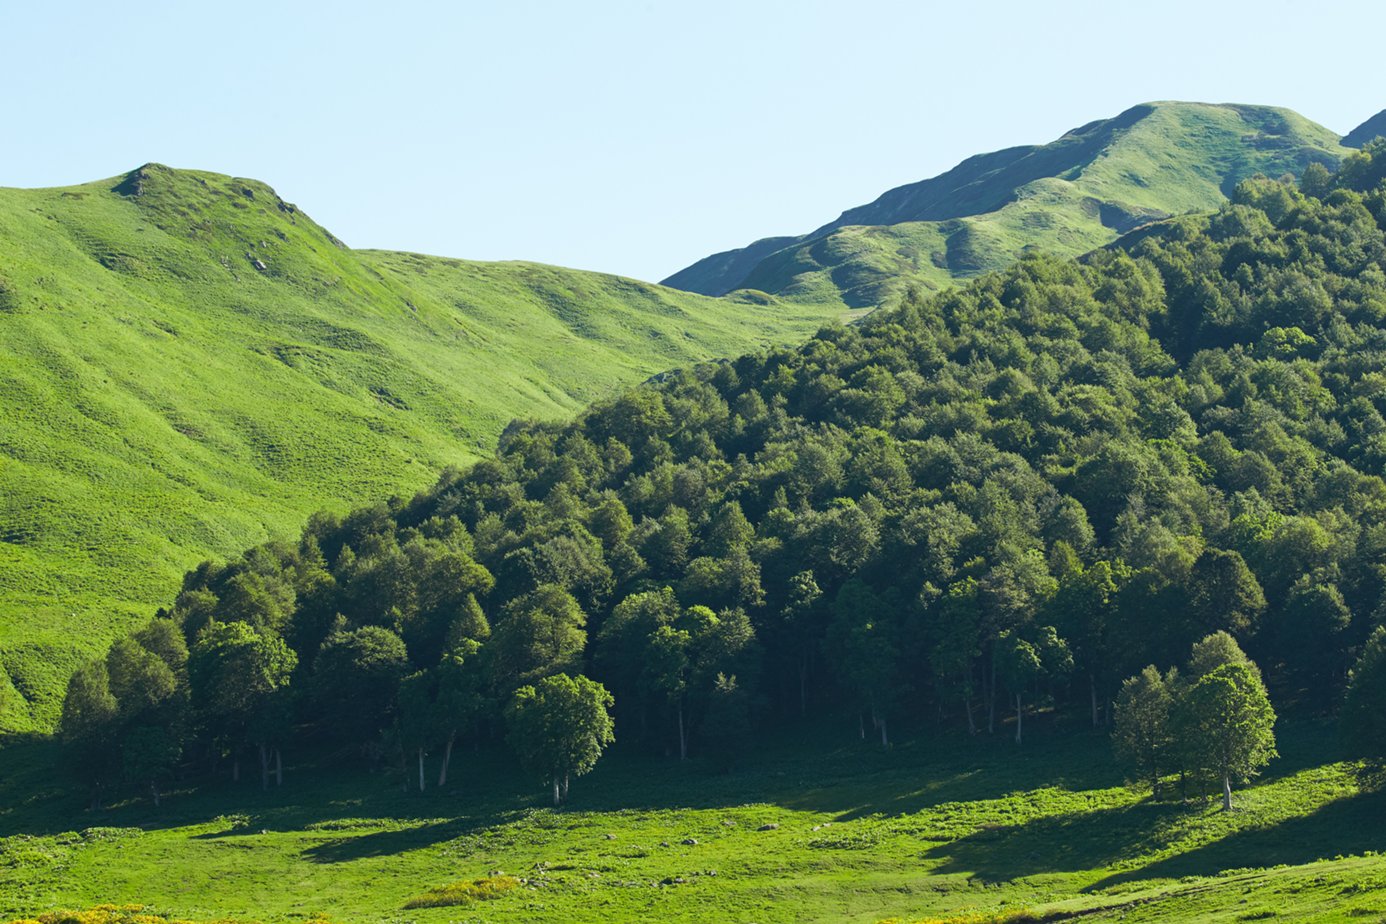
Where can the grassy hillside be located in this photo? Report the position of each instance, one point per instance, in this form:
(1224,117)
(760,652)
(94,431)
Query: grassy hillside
(937,827)
(1068,197)
(1374,127)
(190,364)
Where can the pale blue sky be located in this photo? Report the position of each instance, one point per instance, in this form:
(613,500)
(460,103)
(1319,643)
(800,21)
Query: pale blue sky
(627,137)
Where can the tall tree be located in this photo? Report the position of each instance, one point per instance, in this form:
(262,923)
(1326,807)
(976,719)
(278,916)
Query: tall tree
(1364,712)
(559,728)
(668,663)
(864,640)
(1227,723)
(462,701)
(356,676)
(89,727)
(1141,724)
(239,676)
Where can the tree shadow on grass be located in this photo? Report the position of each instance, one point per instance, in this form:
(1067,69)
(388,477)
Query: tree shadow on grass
(929,772)
(1057,843)
(402,840)
(1094,840)
(798,772)
(1348,826)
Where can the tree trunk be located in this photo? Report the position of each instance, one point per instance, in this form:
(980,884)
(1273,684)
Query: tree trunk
(885,740)
(278,767)
(556,800)
(1019,716)
(236,769)
(683,738)
(861,725)
(565,787)
(1226,793)
(967,705)
(1092,690)
(803,685)
(991,702)
(421,770)
(264,767)
(154,791)
(447,759)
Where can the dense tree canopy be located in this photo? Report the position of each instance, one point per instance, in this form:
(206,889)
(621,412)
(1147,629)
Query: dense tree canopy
(1012,494)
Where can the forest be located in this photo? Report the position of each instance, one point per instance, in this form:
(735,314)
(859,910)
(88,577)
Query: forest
(1144,486)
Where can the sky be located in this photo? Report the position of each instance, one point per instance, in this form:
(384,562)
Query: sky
(627,137)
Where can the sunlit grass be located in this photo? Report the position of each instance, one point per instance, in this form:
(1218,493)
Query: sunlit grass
(813,827)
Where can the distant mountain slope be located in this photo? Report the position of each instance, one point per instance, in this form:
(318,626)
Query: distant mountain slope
(1072,195)
(1375,127)
(189,364)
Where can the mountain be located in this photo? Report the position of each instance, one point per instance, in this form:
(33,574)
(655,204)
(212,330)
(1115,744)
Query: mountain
(991,523)
(1375,127)
(1067,197)
(190,364)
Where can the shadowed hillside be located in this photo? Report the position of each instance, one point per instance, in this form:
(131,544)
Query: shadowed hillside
(1375,127)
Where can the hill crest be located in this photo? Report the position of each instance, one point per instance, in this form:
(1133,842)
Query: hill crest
(1375,127)
(1071,195)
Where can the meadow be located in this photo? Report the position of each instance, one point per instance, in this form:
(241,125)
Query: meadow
(816,826)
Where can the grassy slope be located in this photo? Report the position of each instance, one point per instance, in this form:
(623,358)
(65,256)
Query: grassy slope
(1068,197)
(935,827)
(166,400)
(1373,128)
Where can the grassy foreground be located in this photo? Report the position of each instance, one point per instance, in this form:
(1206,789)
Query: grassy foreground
(936,828)
(191,365)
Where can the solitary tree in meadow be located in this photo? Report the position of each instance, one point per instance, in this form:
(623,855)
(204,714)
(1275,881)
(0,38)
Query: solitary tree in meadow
(559,727)
(1228,720)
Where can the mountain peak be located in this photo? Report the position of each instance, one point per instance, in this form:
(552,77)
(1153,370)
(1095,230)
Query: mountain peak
(156,178)
(1074,194)
(133,183)
(199,201)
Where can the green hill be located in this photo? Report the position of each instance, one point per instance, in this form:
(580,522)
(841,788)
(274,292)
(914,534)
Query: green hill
(1067,197)
(861,608)
(190,364)
(1374,127)
(877,593)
